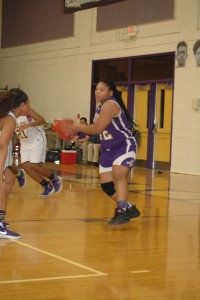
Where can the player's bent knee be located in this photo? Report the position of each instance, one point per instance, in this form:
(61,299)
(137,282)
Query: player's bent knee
(108,188)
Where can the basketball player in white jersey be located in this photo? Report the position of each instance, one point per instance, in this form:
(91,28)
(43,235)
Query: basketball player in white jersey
(33,149)
(10,108)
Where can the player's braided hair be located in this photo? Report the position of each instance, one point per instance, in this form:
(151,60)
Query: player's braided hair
(117,96)
(11,99)
(6,103)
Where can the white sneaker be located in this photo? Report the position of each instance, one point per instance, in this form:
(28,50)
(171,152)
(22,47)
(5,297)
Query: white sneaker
(7,234)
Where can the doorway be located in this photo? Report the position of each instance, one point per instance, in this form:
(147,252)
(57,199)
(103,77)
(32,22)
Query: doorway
(153,114)
(146,86)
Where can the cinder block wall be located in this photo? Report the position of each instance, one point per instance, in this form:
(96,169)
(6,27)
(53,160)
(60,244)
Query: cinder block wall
(57,74)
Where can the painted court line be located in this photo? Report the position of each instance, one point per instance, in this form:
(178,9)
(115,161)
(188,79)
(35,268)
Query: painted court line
(49,278)
(96,273)
(140,271)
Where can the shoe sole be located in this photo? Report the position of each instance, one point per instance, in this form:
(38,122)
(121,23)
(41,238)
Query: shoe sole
(5,236)
(9,237)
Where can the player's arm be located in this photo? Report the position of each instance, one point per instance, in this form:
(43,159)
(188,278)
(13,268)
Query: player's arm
(109,110)
(37,119)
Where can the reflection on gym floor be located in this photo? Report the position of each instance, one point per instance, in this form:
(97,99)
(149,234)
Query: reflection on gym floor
(68,251)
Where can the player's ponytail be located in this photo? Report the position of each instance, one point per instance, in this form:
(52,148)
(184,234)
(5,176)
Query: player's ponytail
(117,96)
(6,103)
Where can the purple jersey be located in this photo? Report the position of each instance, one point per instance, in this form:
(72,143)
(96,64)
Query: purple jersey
(117,131)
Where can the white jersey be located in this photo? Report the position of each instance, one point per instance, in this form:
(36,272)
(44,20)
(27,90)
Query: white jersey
(9,158)
(29,135)
(32,141)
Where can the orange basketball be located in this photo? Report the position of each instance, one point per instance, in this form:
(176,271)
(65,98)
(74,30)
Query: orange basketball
(55,124)
(63,129)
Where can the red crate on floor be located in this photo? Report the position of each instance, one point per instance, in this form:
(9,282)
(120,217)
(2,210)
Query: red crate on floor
(68,157)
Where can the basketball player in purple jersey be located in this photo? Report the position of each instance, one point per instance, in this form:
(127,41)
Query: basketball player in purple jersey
(118,148)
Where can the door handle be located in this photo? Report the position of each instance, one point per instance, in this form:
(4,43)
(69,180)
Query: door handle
(155,127)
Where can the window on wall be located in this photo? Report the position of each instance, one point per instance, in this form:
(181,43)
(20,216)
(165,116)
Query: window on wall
(115,70)
(142,68)
(156,67)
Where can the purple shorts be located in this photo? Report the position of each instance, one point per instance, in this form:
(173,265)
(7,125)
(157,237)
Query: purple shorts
(122,155)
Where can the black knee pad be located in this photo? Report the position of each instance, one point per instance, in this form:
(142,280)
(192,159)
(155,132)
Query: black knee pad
(108,188)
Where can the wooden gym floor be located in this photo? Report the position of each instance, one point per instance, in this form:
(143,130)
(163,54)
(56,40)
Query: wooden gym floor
(67,250)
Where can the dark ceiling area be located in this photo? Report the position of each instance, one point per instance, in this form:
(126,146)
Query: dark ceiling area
(87,5)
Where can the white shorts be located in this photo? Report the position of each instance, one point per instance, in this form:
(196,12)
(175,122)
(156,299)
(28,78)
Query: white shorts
(34,152)
(9,158)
